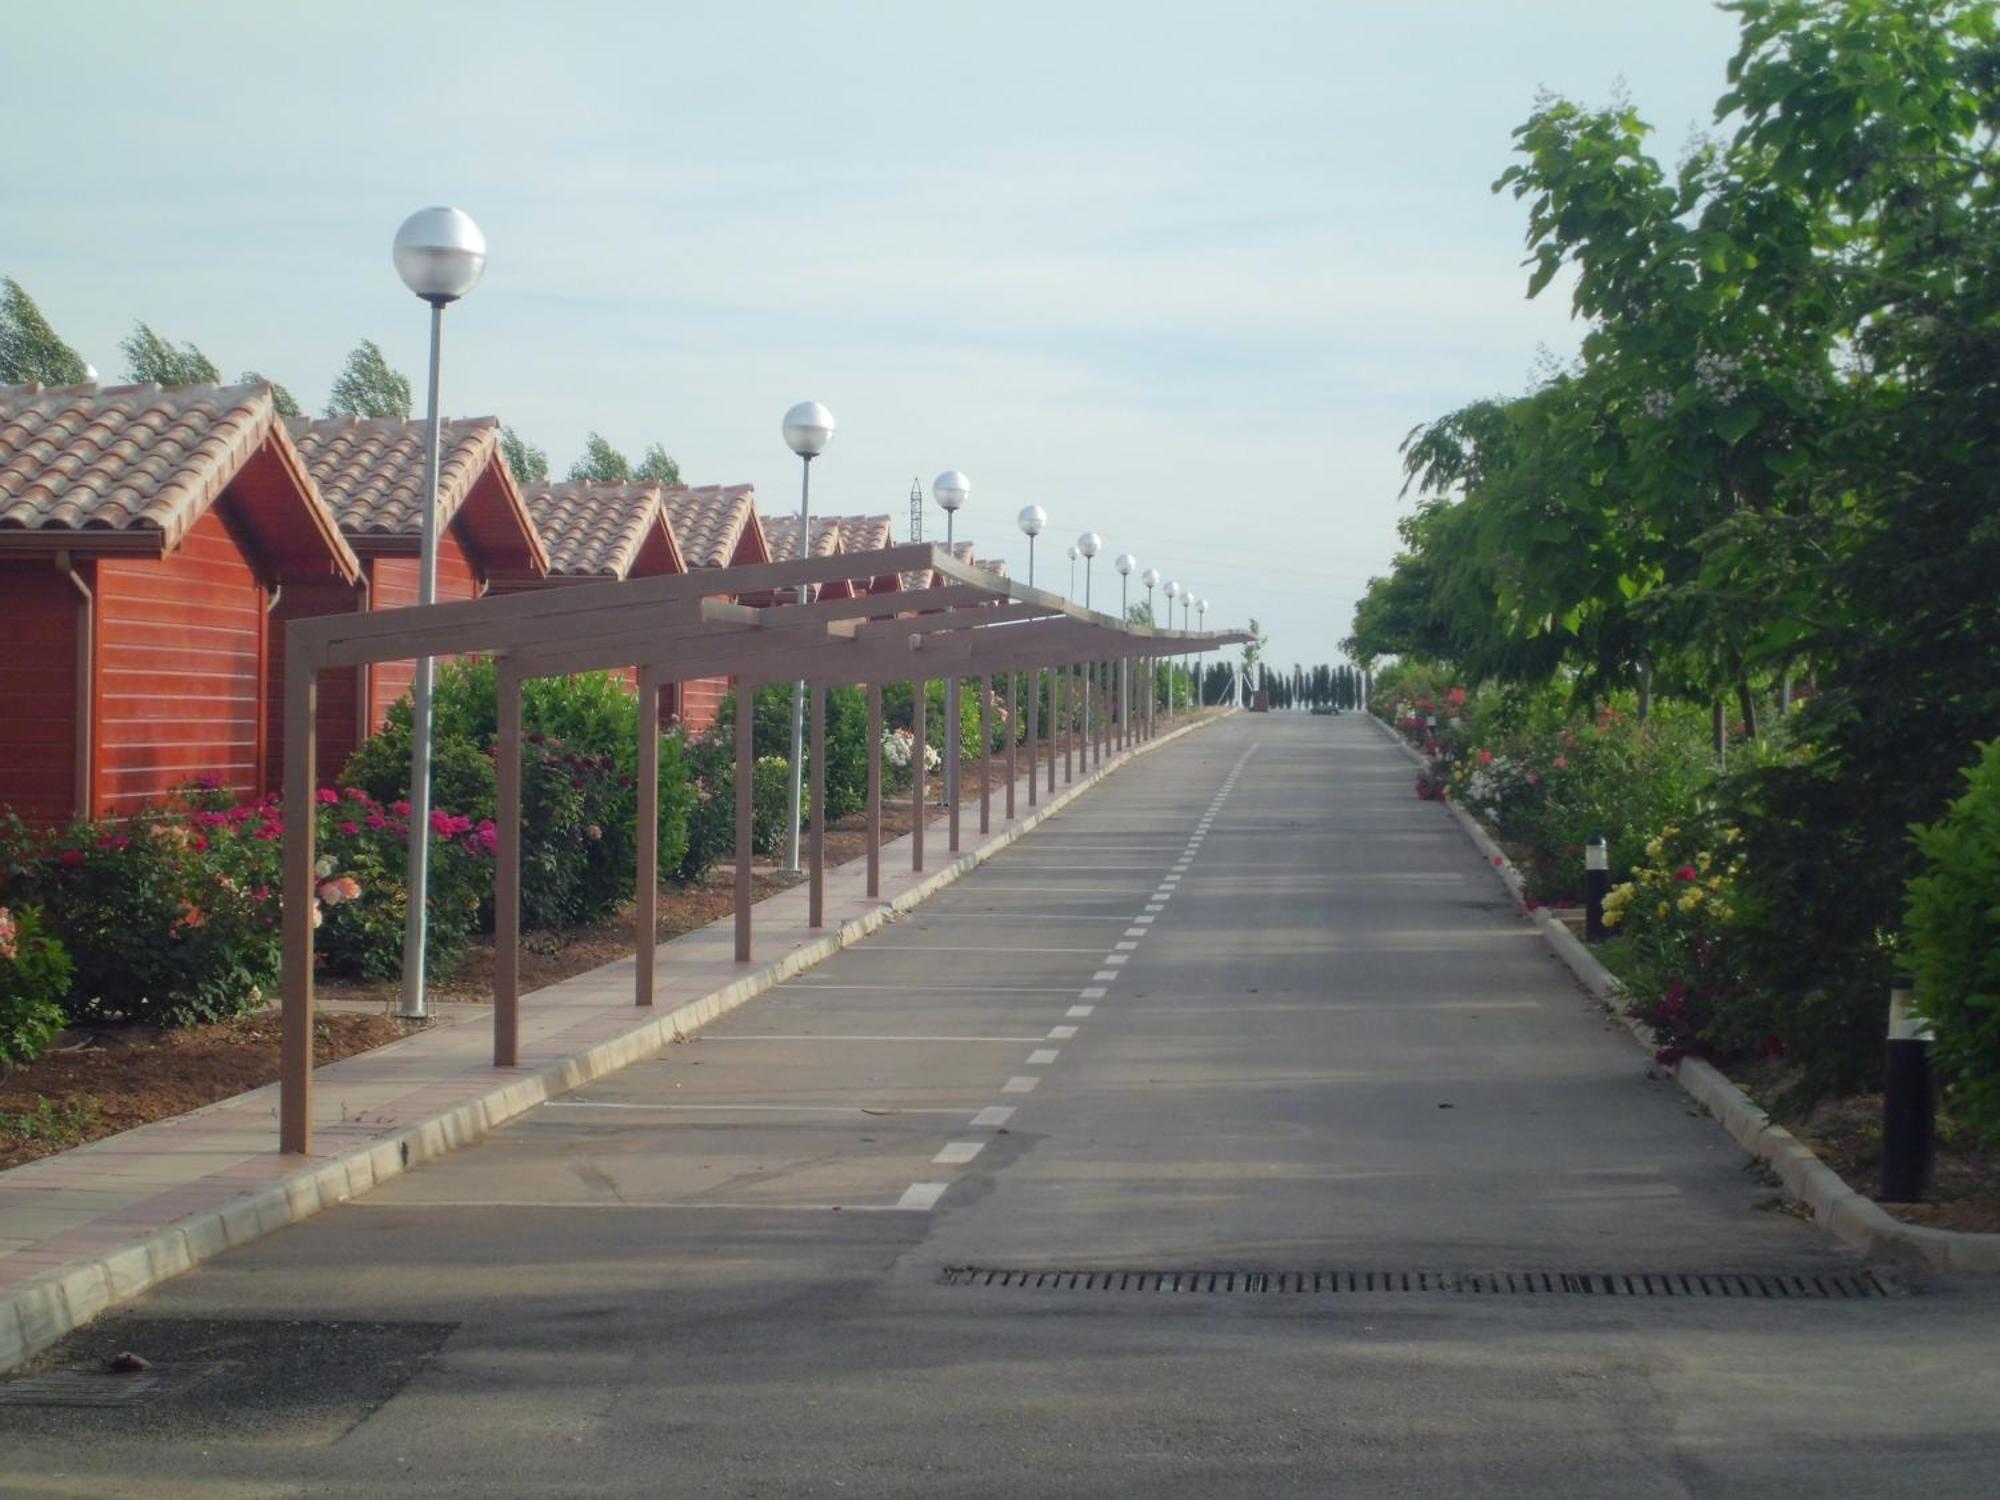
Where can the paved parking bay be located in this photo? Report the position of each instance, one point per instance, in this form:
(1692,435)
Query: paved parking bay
(1388,1208)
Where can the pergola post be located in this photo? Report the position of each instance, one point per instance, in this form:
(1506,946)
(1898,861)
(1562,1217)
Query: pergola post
(1034,724)
(1072,677)
(1013,734)
(507,872)
(919,714)
(954,753)
(874,791)
(301,816)
(1055,720)
(985,753)
(646,905)
(816,894)
(746,771)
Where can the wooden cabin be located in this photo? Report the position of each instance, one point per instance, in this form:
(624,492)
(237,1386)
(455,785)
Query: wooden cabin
(782,535)
(717,527)
(599,533)
(147,535)
(370,472)
(869,534)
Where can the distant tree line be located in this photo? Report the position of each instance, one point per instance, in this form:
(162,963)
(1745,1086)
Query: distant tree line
(31,352)
(1324,686)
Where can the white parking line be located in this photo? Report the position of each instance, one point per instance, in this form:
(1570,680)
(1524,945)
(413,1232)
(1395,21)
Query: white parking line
(1105,975)
(1061,1033)
(958,1153)
(1116,958)
(1126,947)
(922,1195)
(993,1117)
(1095,992)
(1080,1011)
(1135,932)
(1019,1085)
(1041,1057)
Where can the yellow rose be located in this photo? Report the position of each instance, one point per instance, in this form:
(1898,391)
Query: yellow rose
(1692,899)
(1662,909)
(1653,848)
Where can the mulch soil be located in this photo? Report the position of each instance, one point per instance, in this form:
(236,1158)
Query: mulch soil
(1846,1134)
(99,1082)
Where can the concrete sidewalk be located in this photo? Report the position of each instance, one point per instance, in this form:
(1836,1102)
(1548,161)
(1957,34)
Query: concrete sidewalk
(96,1226)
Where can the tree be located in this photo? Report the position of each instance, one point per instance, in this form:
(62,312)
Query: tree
(152,359)
(368,387)
(530,465)
(1253,651)
(658,465)
(601,463)
(281,398)
(30,351)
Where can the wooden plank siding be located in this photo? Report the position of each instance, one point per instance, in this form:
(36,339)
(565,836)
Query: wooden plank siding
(180,670)
(38,681)
(394,586)
(338,729)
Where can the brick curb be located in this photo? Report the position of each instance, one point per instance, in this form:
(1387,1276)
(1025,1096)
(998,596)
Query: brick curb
(1859,1222)
(43,1309)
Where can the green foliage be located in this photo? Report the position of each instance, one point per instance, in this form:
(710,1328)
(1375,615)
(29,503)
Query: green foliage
(34,980)
(48,1122)
(148,357)
(30,351)
(579,794)
(1674,918)
(1776,456)
(286,403)
(363,890)
(529,464)
(601,463)
(658,465)
(1954,927)
(368,387)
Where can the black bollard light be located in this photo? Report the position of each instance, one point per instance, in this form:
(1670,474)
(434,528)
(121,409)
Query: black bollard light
(1596,886)
(1909,1102)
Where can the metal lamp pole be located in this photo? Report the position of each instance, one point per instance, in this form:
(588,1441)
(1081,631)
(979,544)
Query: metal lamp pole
(808,429)
(951,490)
(439,253)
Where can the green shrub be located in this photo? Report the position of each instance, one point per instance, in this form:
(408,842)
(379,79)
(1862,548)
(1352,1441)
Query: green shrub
(579,797)
(166,919)
(34,981)
(362,889)
(1954,933)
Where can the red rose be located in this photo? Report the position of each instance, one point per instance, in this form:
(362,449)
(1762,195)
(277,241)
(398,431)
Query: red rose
(1686,875)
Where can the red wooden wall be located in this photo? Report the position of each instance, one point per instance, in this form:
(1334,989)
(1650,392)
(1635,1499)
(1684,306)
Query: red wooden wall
(38,710)
(180,670)
(339,715)
(394,586)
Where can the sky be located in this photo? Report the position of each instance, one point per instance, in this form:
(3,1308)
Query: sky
(1182,274)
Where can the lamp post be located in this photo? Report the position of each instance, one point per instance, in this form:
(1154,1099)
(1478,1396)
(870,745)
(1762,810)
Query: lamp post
(951,490)
(1031,521)
(1125,562)
(439,253)
(1073,556)
(808,429)
(1187,604)
(1089,544)
(1151,578)
(1173,592)
(1201,623)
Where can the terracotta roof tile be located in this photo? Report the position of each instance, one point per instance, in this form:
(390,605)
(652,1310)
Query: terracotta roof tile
(992,565)
(124,457)
(865,533)
(594,530)
(782,533)
(150,458)
(709,519)
(371,469)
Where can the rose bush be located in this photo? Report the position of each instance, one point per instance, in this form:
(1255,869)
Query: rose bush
(34,977)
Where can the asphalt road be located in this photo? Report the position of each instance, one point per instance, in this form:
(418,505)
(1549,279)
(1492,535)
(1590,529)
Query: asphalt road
(1250,1010)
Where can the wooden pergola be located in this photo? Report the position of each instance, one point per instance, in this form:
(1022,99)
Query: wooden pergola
(975,624)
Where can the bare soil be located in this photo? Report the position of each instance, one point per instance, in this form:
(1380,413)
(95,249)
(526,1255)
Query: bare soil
(99,1083)
(1846,1134)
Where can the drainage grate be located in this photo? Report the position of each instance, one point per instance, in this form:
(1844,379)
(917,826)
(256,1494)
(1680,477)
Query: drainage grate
(1745,1286)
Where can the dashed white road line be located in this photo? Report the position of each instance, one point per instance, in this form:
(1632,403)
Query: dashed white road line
(1041,1057)
(1061,1033)
(1080,1011)
(922,1195)
(958,1153)
(1020,1084)
(993,1117)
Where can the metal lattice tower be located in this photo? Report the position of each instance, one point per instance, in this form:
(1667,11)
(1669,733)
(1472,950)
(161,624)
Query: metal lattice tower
(916,511)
